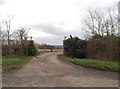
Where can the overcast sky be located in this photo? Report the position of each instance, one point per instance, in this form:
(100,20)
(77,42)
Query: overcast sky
(51,20)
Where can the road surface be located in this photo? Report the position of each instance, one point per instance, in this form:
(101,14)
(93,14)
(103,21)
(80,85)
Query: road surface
(46,70)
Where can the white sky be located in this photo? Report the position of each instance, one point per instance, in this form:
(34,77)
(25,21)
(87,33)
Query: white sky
(50,20)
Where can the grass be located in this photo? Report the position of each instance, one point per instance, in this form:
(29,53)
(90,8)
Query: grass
(93,63)
(13,62)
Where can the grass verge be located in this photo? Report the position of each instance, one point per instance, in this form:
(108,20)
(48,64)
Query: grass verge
(93,63)
(13,62)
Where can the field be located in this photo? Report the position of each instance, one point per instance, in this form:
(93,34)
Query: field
(13,62)
(48,50)
(93,63)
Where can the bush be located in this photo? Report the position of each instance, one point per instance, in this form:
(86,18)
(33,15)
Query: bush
(75,47)
(31,49)
(96,47)
(105,48)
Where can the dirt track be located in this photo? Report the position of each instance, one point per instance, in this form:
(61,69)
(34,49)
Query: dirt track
(47,70)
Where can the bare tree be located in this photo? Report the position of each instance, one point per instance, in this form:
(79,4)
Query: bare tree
(0,38)
(111,23)
(2,33)
(102,38)
(99,23)
(94,22)
(8,28)
(22,35)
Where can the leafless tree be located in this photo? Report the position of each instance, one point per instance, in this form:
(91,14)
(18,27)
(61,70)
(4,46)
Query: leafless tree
(100,23)
(7,24)
(111,23)
(22,35)
(2,33)
(103,29)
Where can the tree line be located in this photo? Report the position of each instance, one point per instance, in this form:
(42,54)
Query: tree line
(102,37)
(16,42)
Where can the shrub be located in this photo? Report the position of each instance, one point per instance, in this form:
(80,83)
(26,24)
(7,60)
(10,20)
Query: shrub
(75,47)
(31,49)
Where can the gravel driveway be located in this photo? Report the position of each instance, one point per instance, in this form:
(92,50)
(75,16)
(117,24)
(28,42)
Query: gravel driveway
(46,70)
